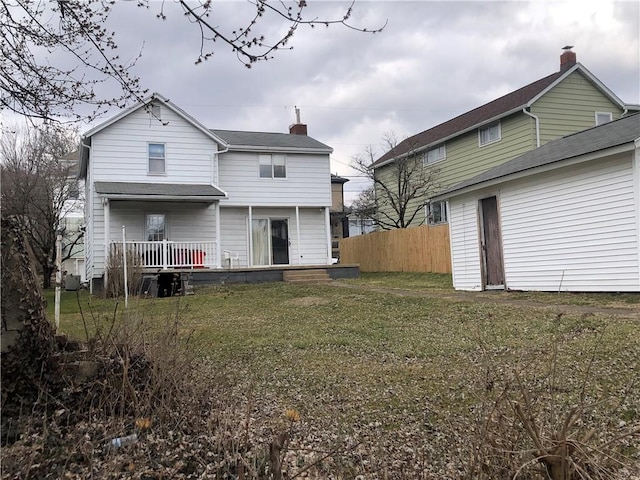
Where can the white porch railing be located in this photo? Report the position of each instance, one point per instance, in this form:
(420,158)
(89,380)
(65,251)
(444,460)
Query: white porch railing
(168,254)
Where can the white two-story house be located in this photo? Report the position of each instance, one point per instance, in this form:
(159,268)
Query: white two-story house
(191,197)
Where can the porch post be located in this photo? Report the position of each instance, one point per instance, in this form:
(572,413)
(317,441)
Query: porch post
(298,234)
(165,253)
(218,247)
(250,243)
(107,246)
(327,226)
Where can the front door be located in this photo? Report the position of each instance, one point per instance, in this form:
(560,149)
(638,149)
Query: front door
(279,242)
(491,244)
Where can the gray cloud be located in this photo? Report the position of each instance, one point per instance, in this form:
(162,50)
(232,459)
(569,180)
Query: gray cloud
(433,61)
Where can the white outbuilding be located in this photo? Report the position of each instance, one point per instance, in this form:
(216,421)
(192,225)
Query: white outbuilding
(563,217)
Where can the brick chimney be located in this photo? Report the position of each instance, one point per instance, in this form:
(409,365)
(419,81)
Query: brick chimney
(298,128)
(567,59)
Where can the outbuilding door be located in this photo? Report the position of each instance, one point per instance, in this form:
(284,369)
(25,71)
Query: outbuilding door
(491,244)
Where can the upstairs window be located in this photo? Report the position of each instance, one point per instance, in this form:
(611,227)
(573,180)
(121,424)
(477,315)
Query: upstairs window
(489,134)
(603,117)
(156,158)
(273,166)
(437,212)
(435,154)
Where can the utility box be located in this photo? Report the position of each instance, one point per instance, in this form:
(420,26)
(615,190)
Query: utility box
(72,283)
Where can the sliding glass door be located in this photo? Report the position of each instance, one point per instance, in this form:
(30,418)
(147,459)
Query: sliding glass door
(270,238)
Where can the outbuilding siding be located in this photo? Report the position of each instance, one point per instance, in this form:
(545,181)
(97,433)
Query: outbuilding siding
(572,229)
(465,244)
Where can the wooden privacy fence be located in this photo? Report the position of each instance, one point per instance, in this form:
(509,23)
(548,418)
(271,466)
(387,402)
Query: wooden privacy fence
(418,249)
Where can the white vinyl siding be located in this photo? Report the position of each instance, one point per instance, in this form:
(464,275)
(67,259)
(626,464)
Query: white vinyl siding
(572,229)
(465,255)
(120,152)
(184,222)
(313,236)
(308,181)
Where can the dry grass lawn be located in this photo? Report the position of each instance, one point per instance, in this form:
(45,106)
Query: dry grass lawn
(391,386)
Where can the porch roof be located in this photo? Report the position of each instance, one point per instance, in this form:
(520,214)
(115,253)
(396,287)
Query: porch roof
(159,191)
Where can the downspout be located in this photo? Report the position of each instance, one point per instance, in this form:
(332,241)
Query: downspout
(107,248)
(215,166)
(524,110)
(250,242)
(215,180)
(218,237)
(327,223)
(88,205)
(298,235)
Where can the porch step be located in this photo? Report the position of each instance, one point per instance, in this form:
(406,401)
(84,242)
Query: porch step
(316,275)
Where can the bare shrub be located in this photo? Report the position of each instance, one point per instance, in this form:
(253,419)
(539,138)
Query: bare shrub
(550,418)
(115,273)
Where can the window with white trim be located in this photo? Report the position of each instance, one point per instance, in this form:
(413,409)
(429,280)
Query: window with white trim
(156,153)
(156,227)
(603,117)
(489,134)
(272,166)
(435,154)
(437,212)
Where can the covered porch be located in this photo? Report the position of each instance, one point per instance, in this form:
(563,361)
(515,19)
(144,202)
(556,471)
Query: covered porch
(168,254)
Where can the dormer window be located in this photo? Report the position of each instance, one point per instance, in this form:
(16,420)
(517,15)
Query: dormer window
(489,134)
(435,154)
(157,158)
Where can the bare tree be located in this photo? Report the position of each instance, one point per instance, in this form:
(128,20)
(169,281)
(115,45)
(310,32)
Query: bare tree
(40,189)
(364,205)
(73,33)
(400,189)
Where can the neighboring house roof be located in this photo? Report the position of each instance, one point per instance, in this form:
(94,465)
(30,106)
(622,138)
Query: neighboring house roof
(162,191)
(625,130)
(240,140)
(337,179)
(501,107)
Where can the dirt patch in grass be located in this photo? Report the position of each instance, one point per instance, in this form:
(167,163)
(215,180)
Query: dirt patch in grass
(308,301)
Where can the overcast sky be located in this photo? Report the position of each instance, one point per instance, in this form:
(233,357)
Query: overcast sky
(433,61)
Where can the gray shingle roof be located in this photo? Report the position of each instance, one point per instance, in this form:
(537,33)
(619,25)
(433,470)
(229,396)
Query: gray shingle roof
(237,138)
(612,134)
(157,189)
